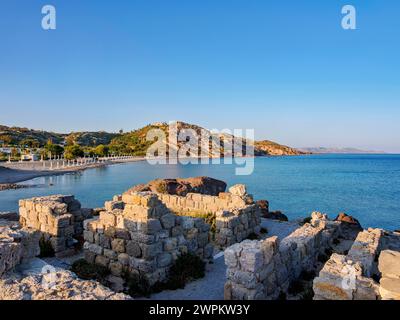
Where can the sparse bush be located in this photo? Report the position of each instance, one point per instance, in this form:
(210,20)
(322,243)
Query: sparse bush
(46,249)
(187,267)
(89,271)
(138,286)
(208,218)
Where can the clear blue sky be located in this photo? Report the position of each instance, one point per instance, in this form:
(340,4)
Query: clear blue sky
(285,68)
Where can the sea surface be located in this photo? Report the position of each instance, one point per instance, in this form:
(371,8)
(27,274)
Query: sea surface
(365,186)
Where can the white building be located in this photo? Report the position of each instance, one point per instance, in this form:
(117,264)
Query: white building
(30,157)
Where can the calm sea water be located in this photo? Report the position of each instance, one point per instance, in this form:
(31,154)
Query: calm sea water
(366,186)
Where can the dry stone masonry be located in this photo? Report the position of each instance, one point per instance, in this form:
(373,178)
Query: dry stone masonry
(389,266)
(264,269)
(59,218)
(350,277)
(138,234)
(17,246)
(63,285)
(236,214)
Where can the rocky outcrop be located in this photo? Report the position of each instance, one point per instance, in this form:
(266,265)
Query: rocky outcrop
(60,285)
(12,186)
(266,147)
(348,220)
(9,216)
(182,187)
(265,213)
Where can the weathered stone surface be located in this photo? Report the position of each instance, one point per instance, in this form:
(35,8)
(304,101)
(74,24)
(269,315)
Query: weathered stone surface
(58,217)
(238,190)
(389,264)
(182,187)
(62,285)
(389,288)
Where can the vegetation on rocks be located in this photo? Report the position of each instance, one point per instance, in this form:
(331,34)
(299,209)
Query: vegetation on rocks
(46,249)
(88,271)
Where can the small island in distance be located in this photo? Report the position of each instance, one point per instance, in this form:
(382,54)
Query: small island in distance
(348,150)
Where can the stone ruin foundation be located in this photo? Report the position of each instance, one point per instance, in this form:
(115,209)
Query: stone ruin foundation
(17,246)
(145,232)
(139,235)
(59,219)
(264,270)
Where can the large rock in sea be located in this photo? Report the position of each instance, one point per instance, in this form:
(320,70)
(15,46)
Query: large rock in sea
(274,215)
(181,187)
(349,221)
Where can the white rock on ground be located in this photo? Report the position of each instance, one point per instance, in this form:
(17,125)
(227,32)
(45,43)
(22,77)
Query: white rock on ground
(30,282)
(61,285)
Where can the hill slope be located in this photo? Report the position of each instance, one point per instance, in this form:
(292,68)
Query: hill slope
(135,142)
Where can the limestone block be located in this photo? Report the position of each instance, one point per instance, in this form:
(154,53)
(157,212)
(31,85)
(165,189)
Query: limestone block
(107,218)
(102,261)
(170,244)
(164,260)
(123,258)
(389,264)
(95,249)
(389,288)
(150,251)
(143,265)
(151,226)
(116,268)
(238,189)
(118,245)
(244,278)
(142,238)
(133,249)
(111,205)
(251,259)
(168,221)
(110,254)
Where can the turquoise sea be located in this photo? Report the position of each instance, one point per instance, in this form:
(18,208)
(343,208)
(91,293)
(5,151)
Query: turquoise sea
(365,186)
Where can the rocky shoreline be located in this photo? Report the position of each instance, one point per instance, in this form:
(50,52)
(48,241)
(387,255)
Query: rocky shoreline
(13,186)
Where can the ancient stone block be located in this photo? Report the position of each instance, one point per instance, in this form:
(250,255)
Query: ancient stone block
(133,249)
(118,245)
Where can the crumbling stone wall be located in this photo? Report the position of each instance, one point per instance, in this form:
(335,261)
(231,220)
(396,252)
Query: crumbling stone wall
(264,269)
(59,218)
(138,234)
(17,246)
(349,277)
(235,212)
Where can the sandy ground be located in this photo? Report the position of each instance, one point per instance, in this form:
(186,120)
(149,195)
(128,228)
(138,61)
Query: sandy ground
(211,287)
